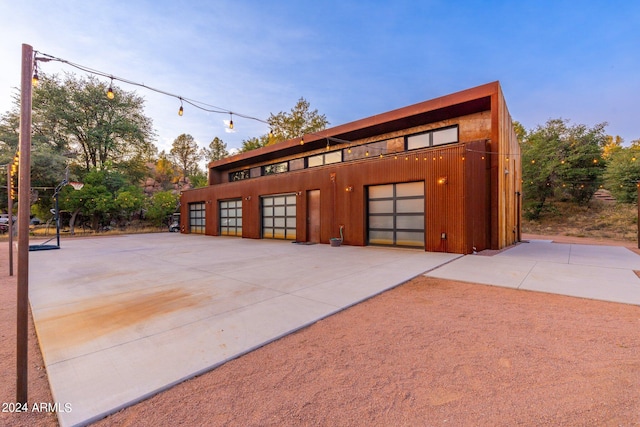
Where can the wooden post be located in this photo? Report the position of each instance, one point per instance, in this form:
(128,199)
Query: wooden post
(10,219)
(24,207)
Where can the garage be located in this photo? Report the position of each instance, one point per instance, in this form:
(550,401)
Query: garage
(231,217)
(279,216)
(396,214)
(196,217)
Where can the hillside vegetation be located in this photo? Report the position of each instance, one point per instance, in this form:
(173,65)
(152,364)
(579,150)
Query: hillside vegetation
(597,219)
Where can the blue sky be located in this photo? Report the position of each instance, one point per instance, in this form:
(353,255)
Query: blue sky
(577,60)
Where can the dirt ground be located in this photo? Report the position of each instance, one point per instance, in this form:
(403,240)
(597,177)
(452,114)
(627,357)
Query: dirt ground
(429,352)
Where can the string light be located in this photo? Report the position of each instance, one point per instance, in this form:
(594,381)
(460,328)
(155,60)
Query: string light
(110,94)
(231,121)
(35,79)
(43,57)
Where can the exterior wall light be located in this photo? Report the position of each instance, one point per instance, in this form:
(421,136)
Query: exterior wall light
(442,180)
(349,189)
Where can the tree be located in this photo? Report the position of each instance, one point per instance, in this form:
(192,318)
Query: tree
(561,160)
(611,145)
(253,143)
(160,206)
(300,121)
(623,172)
(217,150)
(184,152)
(75,114)
(98,198)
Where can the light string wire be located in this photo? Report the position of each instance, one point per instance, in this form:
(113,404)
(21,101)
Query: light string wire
(44,57)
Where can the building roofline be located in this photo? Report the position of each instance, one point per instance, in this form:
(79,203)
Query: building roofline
(460,103)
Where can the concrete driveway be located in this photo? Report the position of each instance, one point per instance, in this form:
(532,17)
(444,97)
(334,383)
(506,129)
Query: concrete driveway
(604,273)
(121,318)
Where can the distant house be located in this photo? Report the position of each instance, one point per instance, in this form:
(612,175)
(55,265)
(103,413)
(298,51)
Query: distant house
(442,175)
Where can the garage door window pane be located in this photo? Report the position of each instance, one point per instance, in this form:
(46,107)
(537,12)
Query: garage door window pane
(406,238)
(410,205)
(412,222)
(381,237)
(385,221)
(381,206)
(381,191)
(410,189)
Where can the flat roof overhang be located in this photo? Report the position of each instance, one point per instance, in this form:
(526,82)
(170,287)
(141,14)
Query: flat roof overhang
(458,104)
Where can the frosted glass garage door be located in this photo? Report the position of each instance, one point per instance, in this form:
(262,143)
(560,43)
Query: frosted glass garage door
(231,217)
(396,214)
(279,217)
(196,217)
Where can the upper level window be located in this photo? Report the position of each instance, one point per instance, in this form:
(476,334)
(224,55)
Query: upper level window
(324,159)
(239,175)
(432,138)
(275,168)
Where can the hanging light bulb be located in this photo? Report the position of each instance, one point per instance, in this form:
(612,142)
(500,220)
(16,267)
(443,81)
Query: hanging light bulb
(366,154)
(231,121)
(302,140)
(181,110)
(349,150)
(35,79)
(110,93)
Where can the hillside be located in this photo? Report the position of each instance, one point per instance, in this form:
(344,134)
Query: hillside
(598,220)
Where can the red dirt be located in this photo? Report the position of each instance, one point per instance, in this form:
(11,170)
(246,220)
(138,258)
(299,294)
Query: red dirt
(429,352)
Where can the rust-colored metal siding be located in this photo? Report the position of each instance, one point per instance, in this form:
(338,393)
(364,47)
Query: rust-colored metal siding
(477,208)
(343,196)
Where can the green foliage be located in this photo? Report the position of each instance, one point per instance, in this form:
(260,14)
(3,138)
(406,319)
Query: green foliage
(217,150)
(623,173)
(562,161)
(161,206)
(184,153)
(129,200)
(253,143)
(74,114)
(198,180)
(300,121)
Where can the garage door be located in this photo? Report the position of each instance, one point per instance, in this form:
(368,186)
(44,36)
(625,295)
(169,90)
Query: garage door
(196,217)
(396,214)
(231,217)
(279,217)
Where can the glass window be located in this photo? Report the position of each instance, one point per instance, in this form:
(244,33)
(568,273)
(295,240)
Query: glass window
(410,189)
(333,157)
(231,217)
(445,136)
(279,216)
(396,214)
(314,161)
(380,191)
(418,141)
(433,138)
(380,206)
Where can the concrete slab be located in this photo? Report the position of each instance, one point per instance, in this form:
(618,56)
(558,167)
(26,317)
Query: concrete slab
(587,271)
(120,319)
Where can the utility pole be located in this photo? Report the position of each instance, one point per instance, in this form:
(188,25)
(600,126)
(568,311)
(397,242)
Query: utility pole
(24,202)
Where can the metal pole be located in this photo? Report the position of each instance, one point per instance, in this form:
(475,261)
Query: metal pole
(57,220)
(24,207)
(10,222)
